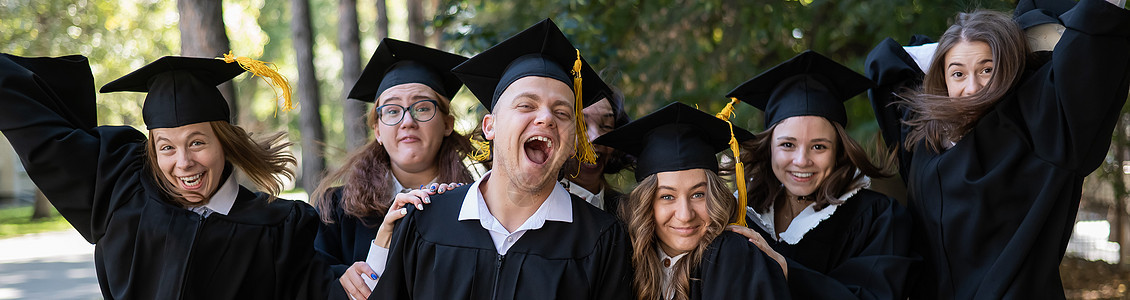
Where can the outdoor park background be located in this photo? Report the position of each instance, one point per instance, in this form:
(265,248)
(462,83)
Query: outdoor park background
(655,51)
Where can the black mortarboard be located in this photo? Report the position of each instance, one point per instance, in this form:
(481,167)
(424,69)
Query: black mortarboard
(541,50)
(808,84)
(676,137)
(181,90)
(397,62)
(1030,13)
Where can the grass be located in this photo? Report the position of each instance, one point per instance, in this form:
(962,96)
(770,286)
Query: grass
(15,221)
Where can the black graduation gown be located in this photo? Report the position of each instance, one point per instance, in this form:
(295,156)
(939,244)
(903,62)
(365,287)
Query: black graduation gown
(347,239)
(146,247)
(433,255)
(994,213)
(862,251)
(734,268)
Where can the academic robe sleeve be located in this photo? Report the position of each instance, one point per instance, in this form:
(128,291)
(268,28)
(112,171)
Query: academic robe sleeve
(734,268)
(616,274)
(1071,108)
(400,270)
(86,172)
(878,270)
(307,275)
(893,71)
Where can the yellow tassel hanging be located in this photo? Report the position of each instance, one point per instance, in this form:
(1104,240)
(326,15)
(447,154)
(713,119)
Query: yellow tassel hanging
(269,73)
(584,150)
(739,167)
(480,150)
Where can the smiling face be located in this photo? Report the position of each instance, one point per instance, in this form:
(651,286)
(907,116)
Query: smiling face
(681,216)
(532,131)
(599,119)
(412,145)
(803,153)
(968,67)
(190,158)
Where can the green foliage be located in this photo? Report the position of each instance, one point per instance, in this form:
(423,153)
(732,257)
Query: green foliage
(16,221)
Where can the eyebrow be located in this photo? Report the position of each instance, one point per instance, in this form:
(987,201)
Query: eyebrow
(983,61)
(700,184)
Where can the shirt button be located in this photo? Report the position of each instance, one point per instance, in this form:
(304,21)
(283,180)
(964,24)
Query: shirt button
(510,239)
(666,262)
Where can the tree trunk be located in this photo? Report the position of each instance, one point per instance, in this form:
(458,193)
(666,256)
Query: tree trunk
(202,34)
(348,39)
(437,30)
(416,22)
(309,120)
(42,207)
(382,19)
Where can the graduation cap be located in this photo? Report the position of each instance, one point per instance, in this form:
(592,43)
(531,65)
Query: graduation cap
(674,138)
(543,51)
(397,62)
(182,90)
(808,84)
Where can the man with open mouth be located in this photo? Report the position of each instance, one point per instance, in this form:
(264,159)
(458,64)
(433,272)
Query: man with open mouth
(516,233)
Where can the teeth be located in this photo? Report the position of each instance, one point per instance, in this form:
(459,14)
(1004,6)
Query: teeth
(802,175)
(191,180)
(548,143)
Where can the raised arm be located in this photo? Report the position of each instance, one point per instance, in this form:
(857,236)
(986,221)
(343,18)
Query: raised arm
(1071,105)
(48,115)
(893,71)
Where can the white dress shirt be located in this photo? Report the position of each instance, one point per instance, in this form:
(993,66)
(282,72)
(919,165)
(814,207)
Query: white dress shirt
(576,189)
(668,271)
(222,201)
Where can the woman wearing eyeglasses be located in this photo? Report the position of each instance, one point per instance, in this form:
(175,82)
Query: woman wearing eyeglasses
(415,146)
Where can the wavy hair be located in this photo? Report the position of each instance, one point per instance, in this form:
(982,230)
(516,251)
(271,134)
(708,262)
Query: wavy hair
(367,173)
(852,162)
(937,117)
(265,161)
(640,219)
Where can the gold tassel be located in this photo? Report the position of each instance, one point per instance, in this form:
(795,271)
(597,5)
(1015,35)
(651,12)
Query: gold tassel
(269,73)
(739,168)
(584,152)
(480,150)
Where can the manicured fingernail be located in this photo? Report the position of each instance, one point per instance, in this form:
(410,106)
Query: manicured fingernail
(403,211)
(373,276)
(421,186)
(427,200)
(442,189)
(419,206)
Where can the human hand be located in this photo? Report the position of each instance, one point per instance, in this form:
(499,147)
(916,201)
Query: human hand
(354,283)
(760,242)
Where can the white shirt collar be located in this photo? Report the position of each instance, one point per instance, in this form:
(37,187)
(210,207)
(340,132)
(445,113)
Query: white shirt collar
(224,198)
(557,207)
(808,218)
(580,191)
(668,270)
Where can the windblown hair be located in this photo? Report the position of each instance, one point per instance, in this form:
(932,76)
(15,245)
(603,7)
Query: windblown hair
(938,118)
(367,173)
(765,189)
(640,218)
(262,160)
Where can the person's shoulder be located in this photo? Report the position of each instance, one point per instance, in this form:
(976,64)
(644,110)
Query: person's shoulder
(586,214)
(731,243)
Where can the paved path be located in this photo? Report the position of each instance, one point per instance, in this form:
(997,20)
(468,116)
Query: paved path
(51,265)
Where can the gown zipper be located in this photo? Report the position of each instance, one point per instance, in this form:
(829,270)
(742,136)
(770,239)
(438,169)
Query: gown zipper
(188,261)
(497,271)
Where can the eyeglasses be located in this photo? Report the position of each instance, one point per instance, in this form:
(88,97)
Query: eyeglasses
(421,111)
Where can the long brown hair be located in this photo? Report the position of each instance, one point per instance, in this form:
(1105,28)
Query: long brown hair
(640,217)
(765,189)
(367,173)
(937,117)
(260,159)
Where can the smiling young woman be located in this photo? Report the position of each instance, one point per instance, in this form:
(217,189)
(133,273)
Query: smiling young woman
(166,214)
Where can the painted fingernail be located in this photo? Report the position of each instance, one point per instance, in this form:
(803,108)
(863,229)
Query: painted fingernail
(403,211)
(373,276)
(442,189)
(427,200)
(419,207)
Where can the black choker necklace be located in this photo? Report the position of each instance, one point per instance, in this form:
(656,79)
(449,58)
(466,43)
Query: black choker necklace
(803,198)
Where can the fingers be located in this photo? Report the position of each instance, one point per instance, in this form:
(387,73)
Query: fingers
(352,282)
(414,197)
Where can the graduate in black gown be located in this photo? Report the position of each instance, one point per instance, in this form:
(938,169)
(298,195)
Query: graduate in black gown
(516,233)
(414,145)
(995,195)
(808,199)
(679,211)
(587,181)
(166,215)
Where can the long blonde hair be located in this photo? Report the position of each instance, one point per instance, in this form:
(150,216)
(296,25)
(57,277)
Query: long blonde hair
(262,160)
(640,216)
